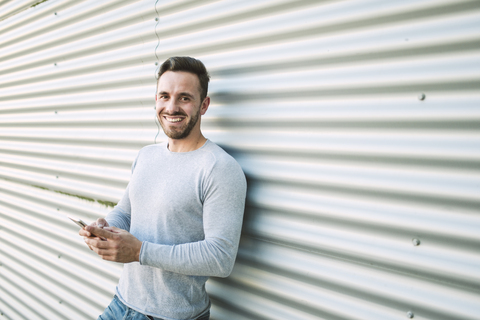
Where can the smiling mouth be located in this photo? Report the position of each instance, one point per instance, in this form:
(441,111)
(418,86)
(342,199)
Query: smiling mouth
(173,119)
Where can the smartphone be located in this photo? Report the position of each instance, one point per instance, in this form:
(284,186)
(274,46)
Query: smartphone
(82,225)
(79,222)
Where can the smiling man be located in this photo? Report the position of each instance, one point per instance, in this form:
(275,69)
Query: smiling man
(180,103)
(180,218)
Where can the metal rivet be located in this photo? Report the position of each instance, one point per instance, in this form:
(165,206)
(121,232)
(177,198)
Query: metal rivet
(55,13)
(421,96)
(156,63)
(55,111)
(55,64)
(416,242)
(60,301)
(59,256)
(410,315)
(156,19)
(57,177)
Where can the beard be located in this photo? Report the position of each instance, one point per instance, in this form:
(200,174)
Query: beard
(184,130)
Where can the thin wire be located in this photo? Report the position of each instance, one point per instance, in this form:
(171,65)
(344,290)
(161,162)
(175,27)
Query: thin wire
(158,43)
(158,128)
(158,37)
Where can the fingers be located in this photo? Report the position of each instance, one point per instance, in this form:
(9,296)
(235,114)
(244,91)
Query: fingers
(97,243)
(98,248)
(121,246)
(100,223)
(99,232)
(88,235)
(84,233)
(107,250)
(89,246)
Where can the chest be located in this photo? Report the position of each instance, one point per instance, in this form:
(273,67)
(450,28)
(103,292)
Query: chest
(167,186)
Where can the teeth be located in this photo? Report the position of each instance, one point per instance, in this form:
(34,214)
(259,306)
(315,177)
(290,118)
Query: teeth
(174,120)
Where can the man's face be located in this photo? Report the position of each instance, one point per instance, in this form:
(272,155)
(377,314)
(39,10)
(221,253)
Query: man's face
(178,104)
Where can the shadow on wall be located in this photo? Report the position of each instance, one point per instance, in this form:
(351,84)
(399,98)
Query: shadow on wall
(248,214)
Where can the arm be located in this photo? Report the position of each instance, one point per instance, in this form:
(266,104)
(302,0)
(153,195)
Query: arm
(223,209)
(95,236)
(120,216)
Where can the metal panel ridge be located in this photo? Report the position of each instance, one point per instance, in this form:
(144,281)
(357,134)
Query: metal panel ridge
(355,122)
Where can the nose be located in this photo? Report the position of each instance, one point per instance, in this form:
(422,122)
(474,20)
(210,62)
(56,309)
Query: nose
(171,106)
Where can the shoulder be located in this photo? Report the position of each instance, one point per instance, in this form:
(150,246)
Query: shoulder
(151,149)
(223,164)
(147,152)
(220,156)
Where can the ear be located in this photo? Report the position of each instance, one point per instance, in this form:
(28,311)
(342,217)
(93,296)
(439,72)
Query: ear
(204,106)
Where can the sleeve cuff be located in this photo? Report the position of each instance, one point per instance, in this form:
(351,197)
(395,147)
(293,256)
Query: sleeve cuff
(141,257)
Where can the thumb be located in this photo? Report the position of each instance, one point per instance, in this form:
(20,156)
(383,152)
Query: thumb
(99,232)
(101,223)
(114,229)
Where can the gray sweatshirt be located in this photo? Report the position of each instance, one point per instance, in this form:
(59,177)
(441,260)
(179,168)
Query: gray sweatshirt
(187,209)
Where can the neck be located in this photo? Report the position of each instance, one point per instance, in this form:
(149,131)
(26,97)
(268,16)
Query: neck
(190,143)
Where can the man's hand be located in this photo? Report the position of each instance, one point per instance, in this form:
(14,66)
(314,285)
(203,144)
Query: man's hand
(100,223)
(119,245)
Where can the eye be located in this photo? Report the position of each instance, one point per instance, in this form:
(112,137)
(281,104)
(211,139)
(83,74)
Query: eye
(185,99)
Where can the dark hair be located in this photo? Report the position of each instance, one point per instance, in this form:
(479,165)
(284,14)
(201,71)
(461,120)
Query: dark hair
(188,64)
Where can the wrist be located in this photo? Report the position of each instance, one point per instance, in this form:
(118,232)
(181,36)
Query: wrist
(138,251)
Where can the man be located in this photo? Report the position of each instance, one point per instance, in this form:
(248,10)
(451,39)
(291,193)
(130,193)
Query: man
(180,218)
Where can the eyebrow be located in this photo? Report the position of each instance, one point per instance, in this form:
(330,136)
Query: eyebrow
(187,94)
(181,94)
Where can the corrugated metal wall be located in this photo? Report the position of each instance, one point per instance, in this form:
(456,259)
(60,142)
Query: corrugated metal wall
(356,122)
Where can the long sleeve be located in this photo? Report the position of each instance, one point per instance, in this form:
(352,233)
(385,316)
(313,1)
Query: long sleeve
(187,210)
(223,208)
(121,214)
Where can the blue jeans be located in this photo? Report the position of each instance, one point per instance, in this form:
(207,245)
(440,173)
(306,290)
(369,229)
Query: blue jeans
(118,311)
